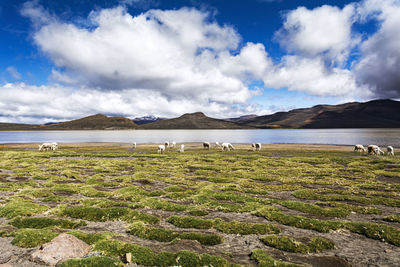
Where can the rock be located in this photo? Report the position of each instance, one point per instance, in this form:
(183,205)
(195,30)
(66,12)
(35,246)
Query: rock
(60,249)
(129,257)
(5,265)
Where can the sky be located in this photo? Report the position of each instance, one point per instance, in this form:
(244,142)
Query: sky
(67,59)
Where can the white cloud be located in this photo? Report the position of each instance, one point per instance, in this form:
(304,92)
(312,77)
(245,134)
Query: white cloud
(324,30)
(311,76)
(378,67)
(169,62)
(170,52)
(13,72)
(39,104)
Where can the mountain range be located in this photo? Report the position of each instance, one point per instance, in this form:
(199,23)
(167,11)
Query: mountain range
(372,114)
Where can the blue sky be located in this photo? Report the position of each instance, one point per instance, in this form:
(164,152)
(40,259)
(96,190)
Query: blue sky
(66,59)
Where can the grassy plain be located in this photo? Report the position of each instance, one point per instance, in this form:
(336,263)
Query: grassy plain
(287,205)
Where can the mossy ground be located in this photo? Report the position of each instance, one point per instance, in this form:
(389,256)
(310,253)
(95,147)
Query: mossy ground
(220,201)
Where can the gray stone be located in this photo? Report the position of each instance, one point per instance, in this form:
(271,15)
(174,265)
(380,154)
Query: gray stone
(60,249)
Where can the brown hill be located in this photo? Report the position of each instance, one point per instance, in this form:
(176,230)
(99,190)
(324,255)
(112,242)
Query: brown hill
(4,126)
(372,114)
(192,121)
(94,122)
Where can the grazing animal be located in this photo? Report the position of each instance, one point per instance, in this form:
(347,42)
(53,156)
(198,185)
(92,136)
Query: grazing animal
(182,149)
(46,147)
(134,144)
(206,145)
(217,144)
(256,146)
(161,149)
(54,146)
(227,146)
(390,151)
(359,148)
(173,144)
(166,144)
(375,150)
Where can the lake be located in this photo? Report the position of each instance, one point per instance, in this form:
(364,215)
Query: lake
(380,137)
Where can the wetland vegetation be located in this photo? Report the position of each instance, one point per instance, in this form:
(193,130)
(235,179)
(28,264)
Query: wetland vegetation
(288,205)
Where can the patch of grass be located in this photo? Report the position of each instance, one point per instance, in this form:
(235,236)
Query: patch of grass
(354,208)
(145,256)
(298,221)
(18,207)
(392,218)
(244,228)
(319,244)
(314,209)
(92,262)
(233,227)
(106,214)
(43,222)
(322,195)
(29,238)
(286,243)
(372,230)
(165,235)
(197,212)
(380,232)
(93,214)
(264,260)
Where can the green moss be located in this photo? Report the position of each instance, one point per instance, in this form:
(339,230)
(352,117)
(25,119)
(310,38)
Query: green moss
(165,235)
(299,221)
(197,212)
(319,244)
(285,243)
(18,207)
(392,218)
(233,227)
(314,209)
(316,244)
(244,228)
(134,215)
(165,258)
(264,260)
(106,214)
(29,238)
(93,214)
(91,262)
(380,232)
(43,222)
(91,238)
(140,255)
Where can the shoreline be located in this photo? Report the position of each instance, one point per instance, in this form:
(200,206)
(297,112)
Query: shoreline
(188,145)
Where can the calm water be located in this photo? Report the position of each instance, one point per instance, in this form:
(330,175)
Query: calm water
(289,136)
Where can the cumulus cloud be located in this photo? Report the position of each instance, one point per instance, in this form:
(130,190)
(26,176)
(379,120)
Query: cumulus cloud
(21,102)
(171,52)
(324,30)
(311,76)
(379,64)
(168,62)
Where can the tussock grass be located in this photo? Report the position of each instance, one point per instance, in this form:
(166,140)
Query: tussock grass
(286,243)
(220,191)
(166,235)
